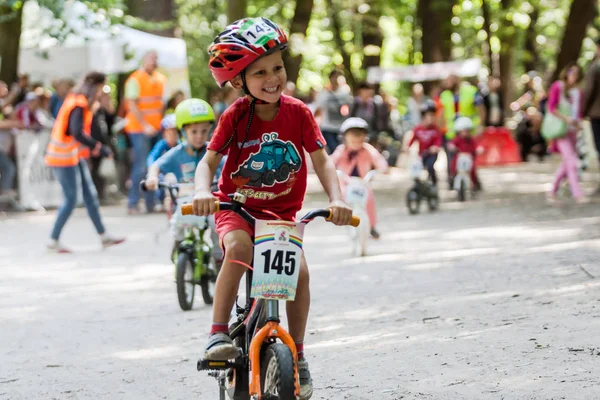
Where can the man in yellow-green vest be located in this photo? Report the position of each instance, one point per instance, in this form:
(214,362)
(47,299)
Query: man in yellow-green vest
(460,100)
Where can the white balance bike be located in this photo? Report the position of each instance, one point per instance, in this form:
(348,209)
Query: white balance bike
(462,180)
(356,194)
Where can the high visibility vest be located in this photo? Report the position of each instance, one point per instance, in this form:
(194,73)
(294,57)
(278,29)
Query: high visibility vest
(466,107)
(149,102)
(64,150)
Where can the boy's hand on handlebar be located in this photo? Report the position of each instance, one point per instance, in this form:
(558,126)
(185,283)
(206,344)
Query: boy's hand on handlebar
(204,204)
(341,213)
(151,183)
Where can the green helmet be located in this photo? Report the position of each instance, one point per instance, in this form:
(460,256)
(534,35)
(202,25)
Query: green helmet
(193,110)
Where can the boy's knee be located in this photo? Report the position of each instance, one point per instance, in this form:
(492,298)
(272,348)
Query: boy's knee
(238,246)
(304,275)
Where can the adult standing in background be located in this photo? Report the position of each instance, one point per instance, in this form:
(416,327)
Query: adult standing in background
(333,107)
(18,91)
(562,102)
(591,100)
(144,92)
(414,104)
(493,102)
(104,118)
(61,89)
(8,169)
(70,145)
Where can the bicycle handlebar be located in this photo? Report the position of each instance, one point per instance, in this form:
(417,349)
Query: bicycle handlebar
(187,209)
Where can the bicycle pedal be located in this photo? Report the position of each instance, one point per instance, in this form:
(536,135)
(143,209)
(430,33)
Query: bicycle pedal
(210,365)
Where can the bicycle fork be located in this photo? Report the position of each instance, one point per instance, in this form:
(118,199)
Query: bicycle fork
(272,329)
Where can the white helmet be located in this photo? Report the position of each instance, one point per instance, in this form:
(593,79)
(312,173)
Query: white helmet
(463,124)
(354,123)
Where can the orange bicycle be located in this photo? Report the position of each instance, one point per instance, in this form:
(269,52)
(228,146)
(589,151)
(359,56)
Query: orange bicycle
(267,365)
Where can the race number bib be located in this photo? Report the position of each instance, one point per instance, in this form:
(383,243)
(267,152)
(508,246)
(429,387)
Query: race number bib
(198,109)
(257,33)
(416,167)
(356,193)
(464,162)
(277,256)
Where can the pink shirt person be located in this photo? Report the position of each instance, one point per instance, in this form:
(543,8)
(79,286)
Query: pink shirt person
(357,159)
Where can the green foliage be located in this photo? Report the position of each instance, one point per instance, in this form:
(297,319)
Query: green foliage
(200,20)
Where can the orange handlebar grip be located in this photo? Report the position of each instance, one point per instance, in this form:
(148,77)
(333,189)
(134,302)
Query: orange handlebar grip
(355,221)
(187,209)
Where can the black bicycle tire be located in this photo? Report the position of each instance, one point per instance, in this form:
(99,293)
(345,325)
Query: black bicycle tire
(285,369)
(462,191)
(417,202)
(204,285)
(185,306)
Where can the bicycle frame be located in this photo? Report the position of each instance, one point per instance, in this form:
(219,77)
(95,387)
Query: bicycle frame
(259,320)
(193,243)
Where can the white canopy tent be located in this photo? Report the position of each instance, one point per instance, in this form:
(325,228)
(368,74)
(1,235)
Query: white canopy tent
(117,51)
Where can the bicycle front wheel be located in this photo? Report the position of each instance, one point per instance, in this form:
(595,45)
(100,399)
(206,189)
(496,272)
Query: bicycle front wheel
(277,373)
(185,281)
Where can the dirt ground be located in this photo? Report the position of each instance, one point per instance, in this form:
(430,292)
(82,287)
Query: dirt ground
(496,298)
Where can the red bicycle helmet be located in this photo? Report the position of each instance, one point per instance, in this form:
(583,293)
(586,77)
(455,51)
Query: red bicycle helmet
(242,43)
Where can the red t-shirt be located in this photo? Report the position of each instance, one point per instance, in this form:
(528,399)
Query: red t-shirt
(465,145)
(426,136)
(270,168)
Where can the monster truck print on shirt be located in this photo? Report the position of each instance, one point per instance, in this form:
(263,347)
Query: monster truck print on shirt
(274,162)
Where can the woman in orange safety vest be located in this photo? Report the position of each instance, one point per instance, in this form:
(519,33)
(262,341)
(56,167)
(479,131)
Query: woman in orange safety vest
(67,152)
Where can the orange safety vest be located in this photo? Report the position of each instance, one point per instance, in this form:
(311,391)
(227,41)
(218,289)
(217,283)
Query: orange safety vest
(150,102)
(64,150)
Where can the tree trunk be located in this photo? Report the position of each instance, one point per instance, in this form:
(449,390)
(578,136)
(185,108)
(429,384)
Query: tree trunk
(298,30)
(582,13)
(372,36)
(434,17)
(337,30)
(155,11)
(236,9)
(10,37)
(531,56)
(508,40)
(487,22)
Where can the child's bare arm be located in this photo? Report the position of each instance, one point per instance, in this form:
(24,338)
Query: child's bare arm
(152,177)
(341,213)
(204,201)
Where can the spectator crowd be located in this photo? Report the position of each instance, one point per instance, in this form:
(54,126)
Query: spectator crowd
(134,128)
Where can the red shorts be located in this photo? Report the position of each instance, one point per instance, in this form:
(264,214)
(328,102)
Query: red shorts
(227,221)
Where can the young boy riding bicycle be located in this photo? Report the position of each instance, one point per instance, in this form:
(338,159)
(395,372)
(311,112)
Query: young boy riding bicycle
(268,124)
(194,118)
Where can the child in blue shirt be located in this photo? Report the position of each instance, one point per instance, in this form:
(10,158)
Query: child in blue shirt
(194,117)
(170,139)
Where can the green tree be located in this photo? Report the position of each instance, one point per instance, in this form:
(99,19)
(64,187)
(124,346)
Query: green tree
(434,18)
(156,16)
(236,9)
(11,13)
(581,14)
(297,37)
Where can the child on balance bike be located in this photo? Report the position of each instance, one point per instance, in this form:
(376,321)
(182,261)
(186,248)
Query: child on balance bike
(247,54)
(195,118)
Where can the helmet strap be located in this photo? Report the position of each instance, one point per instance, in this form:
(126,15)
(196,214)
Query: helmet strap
(250,118)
